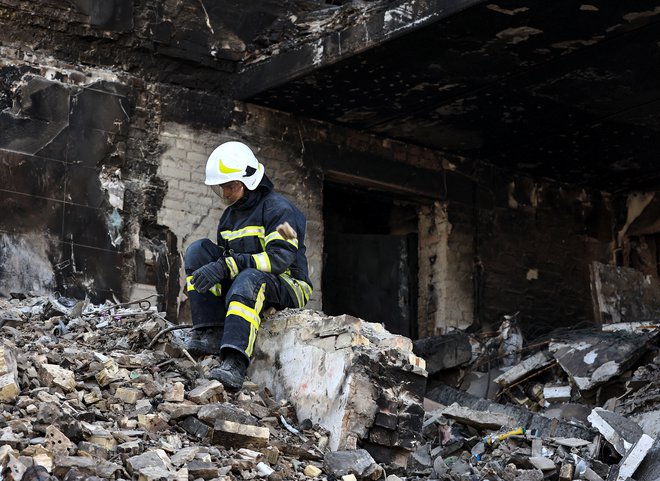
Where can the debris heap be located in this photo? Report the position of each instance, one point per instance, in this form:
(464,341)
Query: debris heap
(577,404)
(107,392)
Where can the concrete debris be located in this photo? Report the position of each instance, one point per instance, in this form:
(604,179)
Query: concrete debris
(444,352)
(357,462)
(478,419)
(101,391)
(634,458)
(593,359)
(523,369)
(357,380)
(619,431)
(90,394)
(582,404)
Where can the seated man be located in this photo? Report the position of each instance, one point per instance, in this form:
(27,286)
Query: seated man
(257,262)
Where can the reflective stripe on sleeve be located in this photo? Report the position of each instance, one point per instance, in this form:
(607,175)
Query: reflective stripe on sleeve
(233,267)
(216,289)
(250,230)
(276,236)
(262,261)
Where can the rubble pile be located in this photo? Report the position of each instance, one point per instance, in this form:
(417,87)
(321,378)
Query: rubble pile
(108,392)
(104,393)
(579,404)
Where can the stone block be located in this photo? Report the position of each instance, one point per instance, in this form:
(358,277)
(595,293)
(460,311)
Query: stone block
(634,457)
(358,462)
(479,419)
(593,359)
(524,368)
(156,458)
(57,442)
(210,413)
(556,393)
(619,431)
(9,389)
(335,384)
(54,375)
(174,392)
(128,395)
(210,392)
(199,469)
(542,463)
(311,471)
(179,410)
(386,420)
(232,434)
(196,428)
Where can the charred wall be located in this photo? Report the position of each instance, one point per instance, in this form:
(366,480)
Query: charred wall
(534,243)
(107,117)
(490,242)
(84,89)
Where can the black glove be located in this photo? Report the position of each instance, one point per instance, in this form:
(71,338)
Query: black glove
(209,275)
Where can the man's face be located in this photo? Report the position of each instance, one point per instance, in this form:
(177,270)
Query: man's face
(231,192)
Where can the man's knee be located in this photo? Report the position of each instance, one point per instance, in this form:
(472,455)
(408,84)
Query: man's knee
(199,253)
(247,283)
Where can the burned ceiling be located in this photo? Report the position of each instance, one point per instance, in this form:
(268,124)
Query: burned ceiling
(567,91)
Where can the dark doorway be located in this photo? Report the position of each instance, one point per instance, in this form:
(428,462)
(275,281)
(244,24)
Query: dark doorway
(370,257)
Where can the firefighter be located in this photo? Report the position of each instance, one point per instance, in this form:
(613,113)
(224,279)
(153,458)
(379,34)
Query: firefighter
(251,266)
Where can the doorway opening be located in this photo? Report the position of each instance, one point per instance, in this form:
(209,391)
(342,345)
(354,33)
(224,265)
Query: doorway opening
(370,260)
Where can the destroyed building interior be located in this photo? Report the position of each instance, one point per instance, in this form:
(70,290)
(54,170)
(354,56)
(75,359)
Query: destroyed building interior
(483,238)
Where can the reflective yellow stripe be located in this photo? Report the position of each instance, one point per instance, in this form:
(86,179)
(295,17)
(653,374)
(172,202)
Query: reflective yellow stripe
(276,236)
(258,305)
(301,289)
(250,230)
(262,261)
(250,315)
(251,340)
(307,289)
(261,297)
(241,310)
(273,236)
(233,267)
(216,290)
(296,290)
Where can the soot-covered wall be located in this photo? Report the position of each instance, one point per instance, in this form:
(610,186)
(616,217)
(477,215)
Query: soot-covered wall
(103,112)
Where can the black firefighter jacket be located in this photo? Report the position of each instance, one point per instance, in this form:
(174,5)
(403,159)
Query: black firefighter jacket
(247,232)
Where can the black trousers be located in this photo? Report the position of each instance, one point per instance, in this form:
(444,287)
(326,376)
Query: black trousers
(235,304)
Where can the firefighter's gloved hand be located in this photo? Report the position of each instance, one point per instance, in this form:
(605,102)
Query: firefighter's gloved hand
(209,275)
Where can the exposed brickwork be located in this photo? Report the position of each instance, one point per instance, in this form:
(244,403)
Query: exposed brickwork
(191,210)
(489,242)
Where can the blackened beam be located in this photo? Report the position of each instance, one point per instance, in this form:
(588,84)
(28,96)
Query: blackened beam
(383,25)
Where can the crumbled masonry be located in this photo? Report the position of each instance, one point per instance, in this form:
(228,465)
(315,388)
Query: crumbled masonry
(85,397)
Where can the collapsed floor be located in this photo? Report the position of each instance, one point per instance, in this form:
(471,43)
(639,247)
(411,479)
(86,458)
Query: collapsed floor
(106,391)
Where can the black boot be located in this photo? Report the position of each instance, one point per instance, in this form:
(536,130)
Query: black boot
(204,341)
(231,372)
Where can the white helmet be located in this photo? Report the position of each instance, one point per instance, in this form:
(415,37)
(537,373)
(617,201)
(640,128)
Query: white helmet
(233,161)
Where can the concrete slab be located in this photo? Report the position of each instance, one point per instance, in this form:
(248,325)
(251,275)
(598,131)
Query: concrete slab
(341,372)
